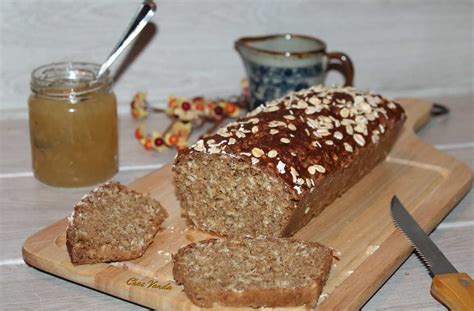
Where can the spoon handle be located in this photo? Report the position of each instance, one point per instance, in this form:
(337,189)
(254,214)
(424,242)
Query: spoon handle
(145,13)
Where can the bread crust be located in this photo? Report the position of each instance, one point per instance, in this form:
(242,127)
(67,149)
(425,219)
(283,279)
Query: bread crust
(206,297)
(341,180)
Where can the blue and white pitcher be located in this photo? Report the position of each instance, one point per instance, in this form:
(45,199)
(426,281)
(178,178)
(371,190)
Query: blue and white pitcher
(278,64)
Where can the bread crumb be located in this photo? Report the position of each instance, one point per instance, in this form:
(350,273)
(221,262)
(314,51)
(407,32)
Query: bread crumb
(115,223)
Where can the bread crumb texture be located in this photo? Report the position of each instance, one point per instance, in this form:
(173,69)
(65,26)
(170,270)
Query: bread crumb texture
(256,272)
(112,223)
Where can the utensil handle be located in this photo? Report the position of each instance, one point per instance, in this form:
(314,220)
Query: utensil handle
(454,290)
(342,63)
(145,13)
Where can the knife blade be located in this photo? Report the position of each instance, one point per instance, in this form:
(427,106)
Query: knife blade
(436,261)
(453,289)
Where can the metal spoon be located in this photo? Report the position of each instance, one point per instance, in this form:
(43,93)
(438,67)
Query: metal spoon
(145,13)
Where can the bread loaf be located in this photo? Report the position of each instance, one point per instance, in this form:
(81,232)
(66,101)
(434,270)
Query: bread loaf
(112,223)
(262,272)
(271,171)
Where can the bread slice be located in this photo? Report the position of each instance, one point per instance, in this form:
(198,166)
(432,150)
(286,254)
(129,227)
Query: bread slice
(112,223)
(253,272)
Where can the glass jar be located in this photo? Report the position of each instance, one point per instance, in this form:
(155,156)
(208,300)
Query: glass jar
(73,125)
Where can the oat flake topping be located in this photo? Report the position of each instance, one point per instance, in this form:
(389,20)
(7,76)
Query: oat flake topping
(306,134)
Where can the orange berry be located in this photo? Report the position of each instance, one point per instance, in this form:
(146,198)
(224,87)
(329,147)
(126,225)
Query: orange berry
(171,101)
(230,108)
(200,106)
(148,144)
(173,139)
(138,133)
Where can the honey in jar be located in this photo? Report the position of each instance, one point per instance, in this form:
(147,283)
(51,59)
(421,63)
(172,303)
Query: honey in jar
(73,125)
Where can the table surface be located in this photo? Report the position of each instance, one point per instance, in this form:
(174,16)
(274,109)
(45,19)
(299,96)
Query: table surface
(26,205)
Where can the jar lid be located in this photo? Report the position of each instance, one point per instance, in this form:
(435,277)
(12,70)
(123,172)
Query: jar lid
(68,79)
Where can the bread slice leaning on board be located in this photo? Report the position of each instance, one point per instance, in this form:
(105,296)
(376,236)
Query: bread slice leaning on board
(112,223)
(270,172)
(255,272)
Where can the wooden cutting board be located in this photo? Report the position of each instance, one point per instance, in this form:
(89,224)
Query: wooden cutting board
(357,225)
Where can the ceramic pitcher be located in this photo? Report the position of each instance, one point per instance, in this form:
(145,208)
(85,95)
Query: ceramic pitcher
(280,63)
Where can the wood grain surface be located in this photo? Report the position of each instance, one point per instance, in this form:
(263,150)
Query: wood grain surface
(427,181)
(400,48)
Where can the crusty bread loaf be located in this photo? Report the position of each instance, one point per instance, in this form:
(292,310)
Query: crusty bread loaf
(261,272)
(112,223)
(270,172)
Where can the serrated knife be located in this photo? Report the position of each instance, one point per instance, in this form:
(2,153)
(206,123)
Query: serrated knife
(453,289)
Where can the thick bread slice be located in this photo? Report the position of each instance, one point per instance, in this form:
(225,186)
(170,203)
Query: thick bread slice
(112,223)
(261,272)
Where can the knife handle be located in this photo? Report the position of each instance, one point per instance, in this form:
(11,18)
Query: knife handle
(454,290)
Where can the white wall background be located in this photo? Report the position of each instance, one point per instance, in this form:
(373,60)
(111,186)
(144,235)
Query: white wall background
(400,48)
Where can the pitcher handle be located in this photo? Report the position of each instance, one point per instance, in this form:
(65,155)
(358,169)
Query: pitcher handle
(342,63)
